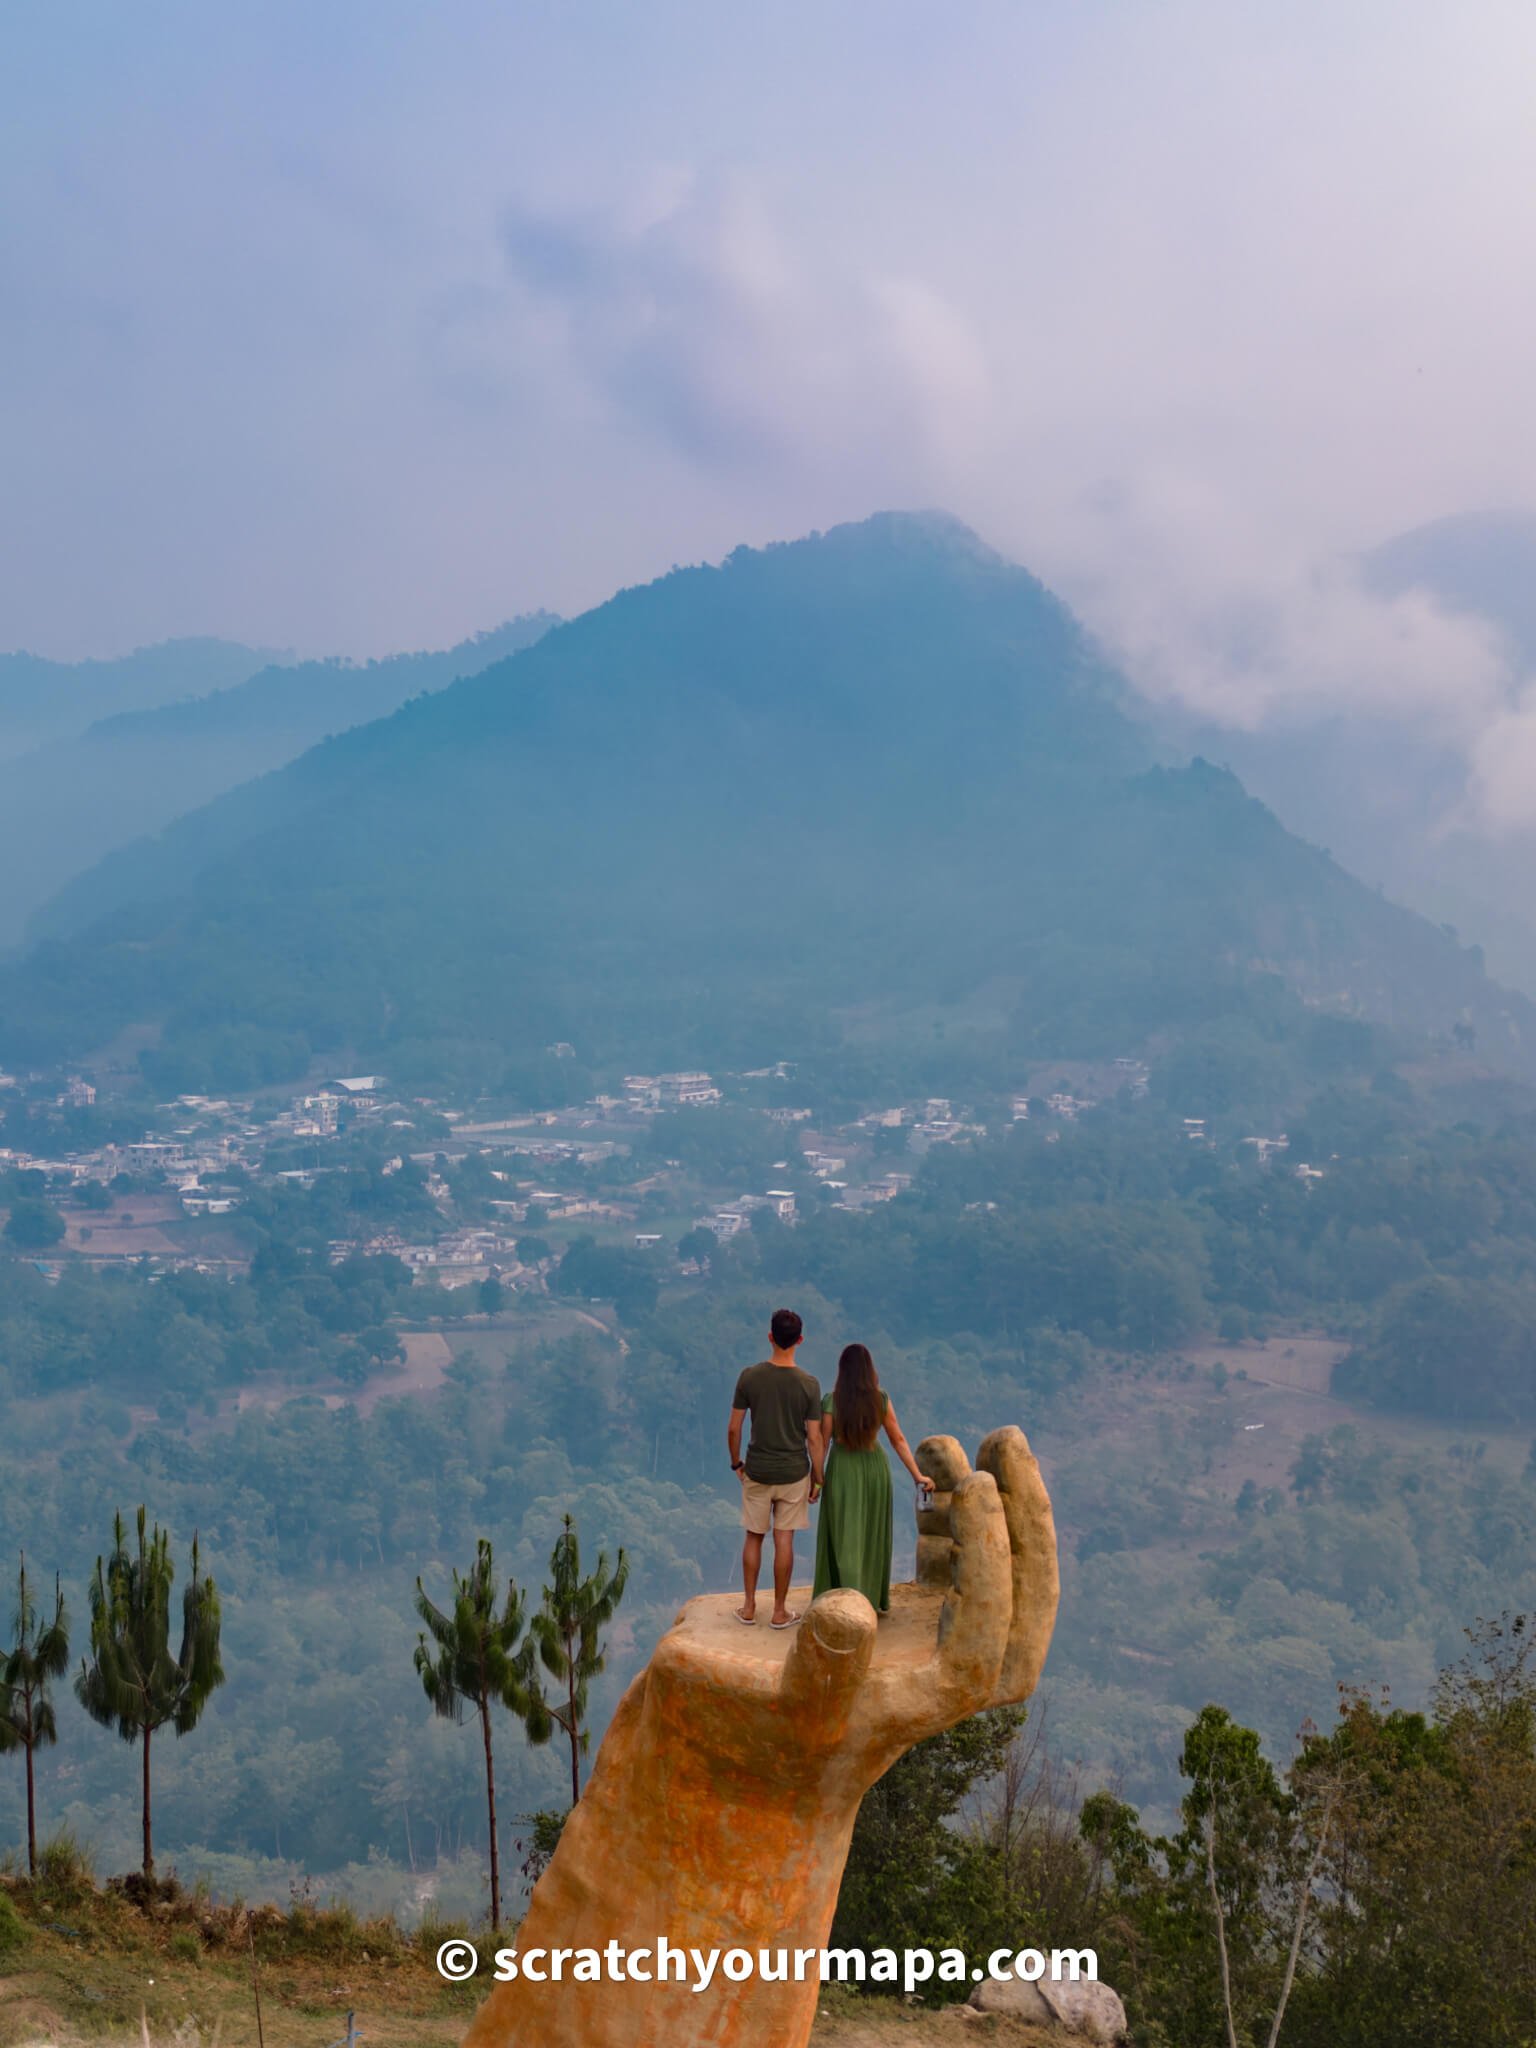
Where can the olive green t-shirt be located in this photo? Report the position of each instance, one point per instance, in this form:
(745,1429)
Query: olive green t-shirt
(781,1400)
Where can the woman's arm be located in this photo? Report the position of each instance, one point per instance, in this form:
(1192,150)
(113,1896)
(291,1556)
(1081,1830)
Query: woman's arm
(900,1445)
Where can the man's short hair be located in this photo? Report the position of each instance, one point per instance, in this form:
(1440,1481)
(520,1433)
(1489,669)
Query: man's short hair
(786,1329)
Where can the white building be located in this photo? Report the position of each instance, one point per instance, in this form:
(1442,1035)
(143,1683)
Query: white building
(152,1155)
(1265,1146)
(321,1110)
(824,1163)
(687,1091)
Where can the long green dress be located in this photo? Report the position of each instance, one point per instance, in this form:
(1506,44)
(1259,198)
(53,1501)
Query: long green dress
(853,1535)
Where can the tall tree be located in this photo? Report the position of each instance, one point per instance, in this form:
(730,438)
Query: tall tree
(37,1656)
(133,1683)
(567,1632)
(473,1660)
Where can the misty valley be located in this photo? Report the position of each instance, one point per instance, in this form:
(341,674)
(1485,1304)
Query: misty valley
(408,1147)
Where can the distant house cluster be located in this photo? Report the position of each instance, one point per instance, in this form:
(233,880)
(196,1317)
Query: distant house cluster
(649,1093)
(727,1223)
(573,1166)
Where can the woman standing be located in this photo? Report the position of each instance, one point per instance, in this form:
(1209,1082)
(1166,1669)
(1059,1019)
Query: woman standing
(853,1537)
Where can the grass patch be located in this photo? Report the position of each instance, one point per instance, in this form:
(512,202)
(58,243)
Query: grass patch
(13,1930)
(126,1962)
(65,1873)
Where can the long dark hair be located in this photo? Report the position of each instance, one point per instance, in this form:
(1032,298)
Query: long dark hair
(856,1399)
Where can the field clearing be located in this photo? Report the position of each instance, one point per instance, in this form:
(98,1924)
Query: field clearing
(429,1353)
(491,1340)
(130,1229)
(1253,1426)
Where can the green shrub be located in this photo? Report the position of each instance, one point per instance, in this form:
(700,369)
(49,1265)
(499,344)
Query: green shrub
(435,1930)
(65,1871)
(14,1934)
(185,1948)
(324,1931)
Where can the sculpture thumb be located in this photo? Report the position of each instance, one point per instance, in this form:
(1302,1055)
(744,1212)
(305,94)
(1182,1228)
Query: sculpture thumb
(828,1661)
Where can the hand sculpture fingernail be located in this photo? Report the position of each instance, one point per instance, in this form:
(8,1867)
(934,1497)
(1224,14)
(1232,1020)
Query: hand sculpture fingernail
(829,1657)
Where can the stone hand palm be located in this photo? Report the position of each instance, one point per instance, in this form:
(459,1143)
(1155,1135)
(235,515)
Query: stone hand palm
(722,1802)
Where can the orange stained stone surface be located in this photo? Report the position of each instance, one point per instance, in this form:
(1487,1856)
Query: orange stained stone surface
(721,1805)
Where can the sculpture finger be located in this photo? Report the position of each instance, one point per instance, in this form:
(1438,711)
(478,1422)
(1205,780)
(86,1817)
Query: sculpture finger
(828,1660)
(977,1613)
(1034,1572)
(940,1459)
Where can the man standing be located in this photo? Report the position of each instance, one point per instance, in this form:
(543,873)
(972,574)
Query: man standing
(781,1473)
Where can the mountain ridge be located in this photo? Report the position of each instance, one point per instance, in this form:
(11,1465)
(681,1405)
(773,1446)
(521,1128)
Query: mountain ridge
(721,808)
(67,804)
(43,699)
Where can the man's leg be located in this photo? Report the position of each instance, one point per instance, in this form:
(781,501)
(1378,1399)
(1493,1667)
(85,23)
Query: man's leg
(783,1570)
(751,1565)
(791,1511)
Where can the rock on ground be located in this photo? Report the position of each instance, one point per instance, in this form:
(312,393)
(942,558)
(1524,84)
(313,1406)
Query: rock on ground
(1089,2010)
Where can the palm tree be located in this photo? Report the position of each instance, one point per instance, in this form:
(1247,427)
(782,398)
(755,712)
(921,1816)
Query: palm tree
(36,1658)
(566,1631)
(473,1661)
(133,1683)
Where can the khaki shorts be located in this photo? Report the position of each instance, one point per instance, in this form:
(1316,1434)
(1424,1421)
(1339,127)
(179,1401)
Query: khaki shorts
(784,1506)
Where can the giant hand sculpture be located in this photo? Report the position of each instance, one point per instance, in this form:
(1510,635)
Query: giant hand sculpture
(721,1806)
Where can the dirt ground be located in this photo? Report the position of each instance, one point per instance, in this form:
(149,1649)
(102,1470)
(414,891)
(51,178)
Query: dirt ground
(427,1359)
(83,1967)
(1276,1394)
(130,1229)
(80,1994)
(847,2021)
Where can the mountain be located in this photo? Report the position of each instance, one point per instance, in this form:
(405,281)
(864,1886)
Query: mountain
(42,700)
(64,805)
(869,791)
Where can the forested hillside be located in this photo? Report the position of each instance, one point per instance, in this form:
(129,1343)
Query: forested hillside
(1232,1526)
(877,775)
(64,805)
(42,700)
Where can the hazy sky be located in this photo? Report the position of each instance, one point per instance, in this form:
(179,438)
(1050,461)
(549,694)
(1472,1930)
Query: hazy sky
(361,325)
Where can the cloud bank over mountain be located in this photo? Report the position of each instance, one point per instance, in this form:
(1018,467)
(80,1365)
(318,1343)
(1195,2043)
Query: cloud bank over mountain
(358,328)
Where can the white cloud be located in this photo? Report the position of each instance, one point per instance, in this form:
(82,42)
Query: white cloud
(1203,616)
(359,328)
(701,321)
(1502,787)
